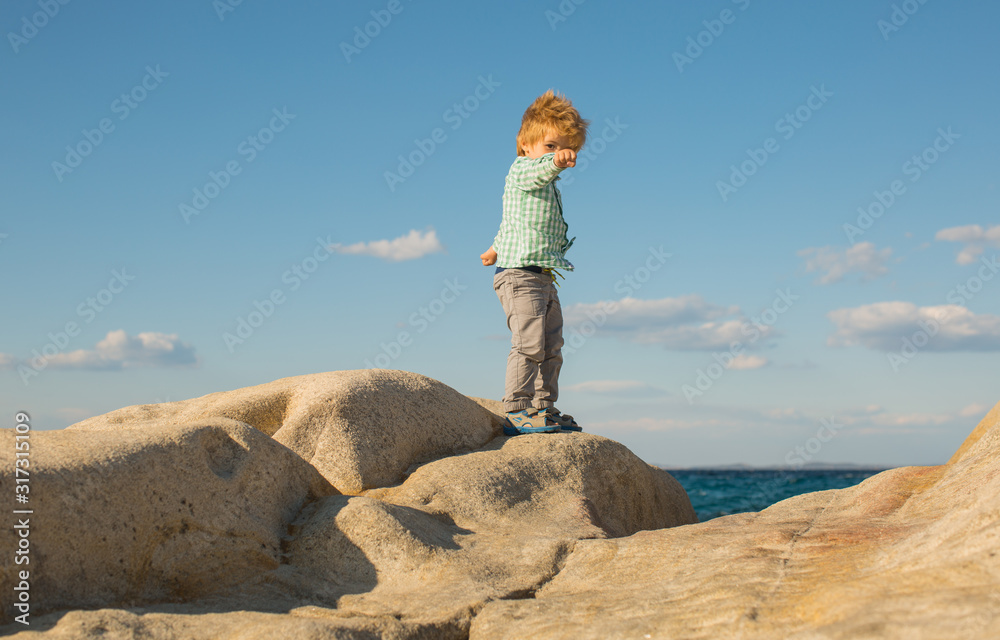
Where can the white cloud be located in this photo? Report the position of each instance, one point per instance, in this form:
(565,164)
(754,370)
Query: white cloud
(862,258)
(784,413)
(654,424)
(118,350)
(81,359)
(975,239)
(747,361)
(605,386)
(72,415)
(633,312)
(806,363)
(685,323)
(413,245)
(149,349)
(615,387)
(883,326)
(912,419)
(974,410)
(874,420)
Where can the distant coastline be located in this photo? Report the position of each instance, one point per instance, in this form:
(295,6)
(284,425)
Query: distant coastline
(812,466)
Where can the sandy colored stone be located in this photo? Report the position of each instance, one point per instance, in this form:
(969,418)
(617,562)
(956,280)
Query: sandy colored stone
(160,514)
(187,622)
(909,553)
(544,536)
(373,558)
(360,429)
(575,485)
(991,420)
(492,524)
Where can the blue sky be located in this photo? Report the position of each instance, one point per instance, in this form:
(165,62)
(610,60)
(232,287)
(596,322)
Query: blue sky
(786,214)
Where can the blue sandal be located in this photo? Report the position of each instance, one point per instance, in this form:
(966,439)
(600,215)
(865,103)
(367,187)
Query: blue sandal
(529,420)
(564,420)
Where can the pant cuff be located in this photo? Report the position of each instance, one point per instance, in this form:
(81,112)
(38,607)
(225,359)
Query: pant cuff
(508,407)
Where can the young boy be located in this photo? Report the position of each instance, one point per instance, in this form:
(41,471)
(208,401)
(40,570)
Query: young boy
(529,247)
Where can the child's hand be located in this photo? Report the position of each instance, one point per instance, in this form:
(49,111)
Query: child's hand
(565,158)
(488,258)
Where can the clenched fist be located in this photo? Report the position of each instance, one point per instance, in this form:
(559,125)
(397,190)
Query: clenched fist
(565,158)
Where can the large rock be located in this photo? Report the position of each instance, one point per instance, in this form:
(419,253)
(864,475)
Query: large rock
(909,553)
(180,518)
(497,523)
(360,429)
(366,556)
(160,514)
(192,622)
(464,536)
(547,485)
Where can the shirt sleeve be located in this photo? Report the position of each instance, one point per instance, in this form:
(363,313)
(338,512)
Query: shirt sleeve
(532,174)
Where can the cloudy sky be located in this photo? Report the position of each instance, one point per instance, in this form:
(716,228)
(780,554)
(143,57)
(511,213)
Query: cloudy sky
(786,214)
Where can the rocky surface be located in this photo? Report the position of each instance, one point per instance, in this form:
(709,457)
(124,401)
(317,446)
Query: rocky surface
(161,513)
(383,504)
(360,429)
(350,504)
(909,553)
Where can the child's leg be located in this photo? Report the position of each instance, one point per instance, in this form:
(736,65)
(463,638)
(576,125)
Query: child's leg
(547,383)
(525,299)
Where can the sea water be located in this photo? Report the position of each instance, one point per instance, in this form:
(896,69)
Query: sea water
(721,492)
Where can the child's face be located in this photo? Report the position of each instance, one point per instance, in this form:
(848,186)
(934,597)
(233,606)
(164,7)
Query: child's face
(550,143)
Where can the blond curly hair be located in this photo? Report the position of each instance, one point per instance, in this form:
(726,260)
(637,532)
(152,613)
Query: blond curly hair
(551,112)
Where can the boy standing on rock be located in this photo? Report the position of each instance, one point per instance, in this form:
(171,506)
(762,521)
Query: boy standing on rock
(528,249)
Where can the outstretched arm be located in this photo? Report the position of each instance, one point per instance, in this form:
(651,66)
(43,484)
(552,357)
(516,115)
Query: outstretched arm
(534,174)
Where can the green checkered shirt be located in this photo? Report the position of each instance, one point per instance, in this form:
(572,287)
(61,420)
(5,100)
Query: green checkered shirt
(533,231)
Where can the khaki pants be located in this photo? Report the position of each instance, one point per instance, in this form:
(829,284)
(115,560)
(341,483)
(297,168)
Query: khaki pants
(534,318)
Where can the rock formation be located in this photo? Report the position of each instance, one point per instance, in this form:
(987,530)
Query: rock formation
(380,503)
(908,553)
(383,504)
